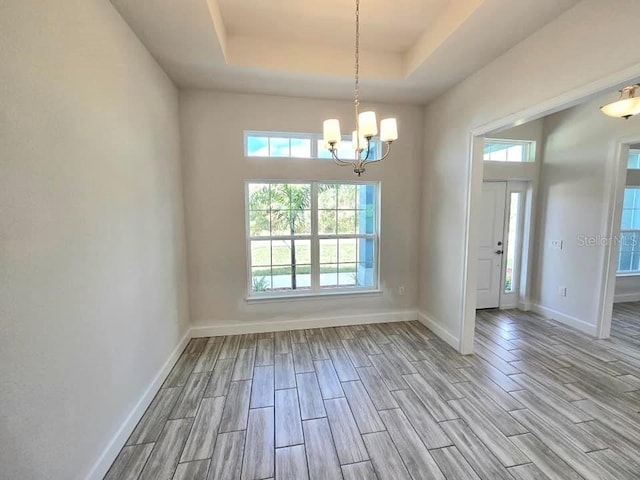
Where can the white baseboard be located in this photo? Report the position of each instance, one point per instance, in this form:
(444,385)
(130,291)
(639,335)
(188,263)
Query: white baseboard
(441,332)
(102,465)
(568,320)
(218,328)
(626,297)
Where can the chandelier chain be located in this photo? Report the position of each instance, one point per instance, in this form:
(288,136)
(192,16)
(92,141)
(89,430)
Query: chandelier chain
(361,144)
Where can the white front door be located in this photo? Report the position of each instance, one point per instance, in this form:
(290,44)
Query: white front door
(491,244)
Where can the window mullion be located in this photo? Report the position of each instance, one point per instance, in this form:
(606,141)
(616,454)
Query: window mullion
(270,228)
(315,243)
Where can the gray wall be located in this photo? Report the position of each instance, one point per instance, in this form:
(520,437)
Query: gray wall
(92,277)
(579,144)
(215,170)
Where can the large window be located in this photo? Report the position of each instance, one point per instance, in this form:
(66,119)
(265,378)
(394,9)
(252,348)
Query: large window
(311,237)
(629,256)
(499,150)
(297,145)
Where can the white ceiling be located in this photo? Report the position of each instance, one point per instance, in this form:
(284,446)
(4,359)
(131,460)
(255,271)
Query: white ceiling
(390,26)
(411,50)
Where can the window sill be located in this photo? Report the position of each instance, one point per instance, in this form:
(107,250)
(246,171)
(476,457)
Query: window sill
(628,274)
(509,162)
(311,296)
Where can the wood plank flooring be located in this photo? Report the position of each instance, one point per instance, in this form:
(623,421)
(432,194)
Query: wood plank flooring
(392,401)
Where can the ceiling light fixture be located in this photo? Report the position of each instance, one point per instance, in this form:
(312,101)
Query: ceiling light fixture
(366,125)
(626,106)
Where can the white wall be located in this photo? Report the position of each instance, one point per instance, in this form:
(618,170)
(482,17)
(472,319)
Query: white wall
(578,49)
(215,170)
(573,208)
(92,277)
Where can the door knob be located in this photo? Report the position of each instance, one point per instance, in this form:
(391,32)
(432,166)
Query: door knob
(499,252)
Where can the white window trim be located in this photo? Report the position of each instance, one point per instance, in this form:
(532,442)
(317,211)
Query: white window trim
(342,293)
(316,290)
(529,150)
(313,137)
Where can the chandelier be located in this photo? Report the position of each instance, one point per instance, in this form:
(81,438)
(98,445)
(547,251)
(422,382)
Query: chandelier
(626,106)
(366,125)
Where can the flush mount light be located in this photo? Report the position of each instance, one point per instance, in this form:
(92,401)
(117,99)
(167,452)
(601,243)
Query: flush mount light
(626,106)
(366,125)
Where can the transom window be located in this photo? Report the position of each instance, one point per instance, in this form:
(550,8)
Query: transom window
(297,145)
(499,150)
(629,250)
(634,159)
(311,237)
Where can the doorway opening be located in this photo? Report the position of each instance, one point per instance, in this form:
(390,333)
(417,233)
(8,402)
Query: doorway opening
(622,270)
(627,287)
(611,174)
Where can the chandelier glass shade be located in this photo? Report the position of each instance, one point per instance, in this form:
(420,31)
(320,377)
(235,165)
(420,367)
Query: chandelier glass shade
(366,125)
(626,106)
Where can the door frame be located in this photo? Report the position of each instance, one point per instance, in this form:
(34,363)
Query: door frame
(519,296)
(475,168)
(616,184)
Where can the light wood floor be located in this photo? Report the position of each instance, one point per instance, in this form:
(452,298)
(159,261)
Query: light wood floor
(391,401)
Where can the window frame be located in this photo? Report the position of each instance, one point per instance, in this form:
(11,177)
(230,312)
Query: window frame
(626,273)
(529,155)
(633,152)
(313,137)
(315,289)
(520,190)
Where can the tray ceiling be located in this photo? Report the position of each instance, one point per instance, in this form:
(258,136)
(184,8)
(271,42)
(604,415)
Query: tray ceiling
(411,50)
